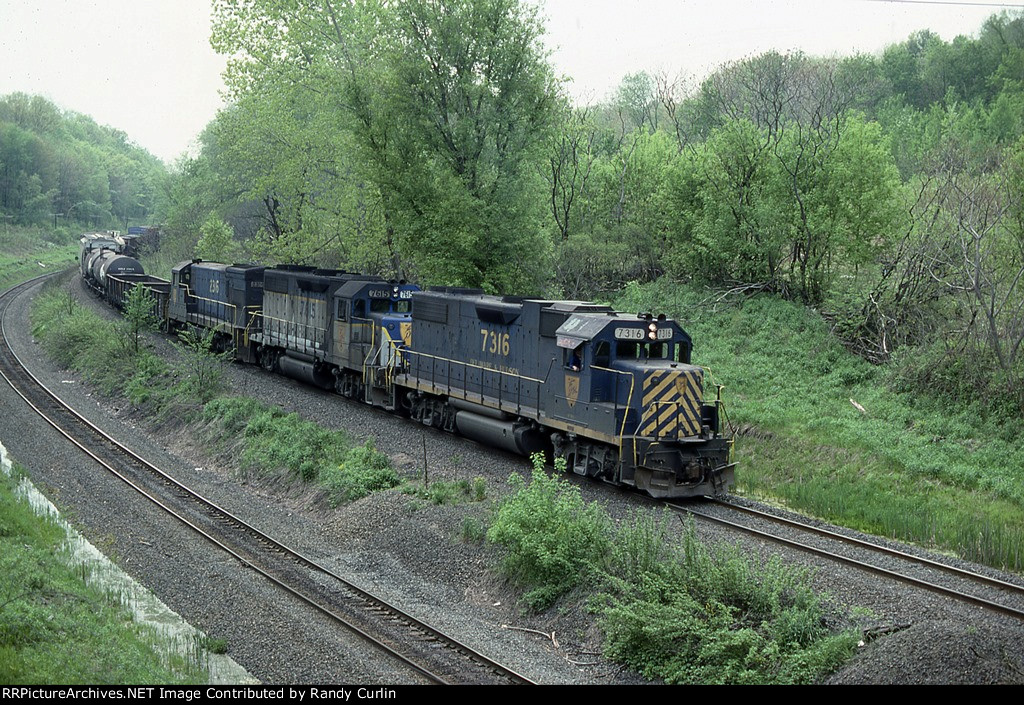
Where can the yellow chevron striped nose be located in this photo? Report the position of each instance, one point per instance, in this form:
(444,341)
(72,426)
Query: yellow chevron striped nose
(671,403)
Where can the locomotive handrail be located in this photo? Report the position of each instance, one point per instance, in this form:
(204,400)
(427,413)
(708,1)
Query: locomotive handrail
(720,405)
(629,404)
(393,360)
(478,367)
(317,345)
(255,312)
(188,292)
(464,392)
(367,322)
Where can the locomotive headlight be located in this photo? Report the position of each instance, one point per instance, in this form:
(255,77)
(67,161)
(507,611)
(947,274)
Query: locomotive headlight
(394,291)
(652,331)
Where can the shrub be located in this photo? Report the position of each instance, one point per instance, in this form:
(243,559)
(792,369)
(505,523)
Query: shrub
(363,471)
(473,530)
(203,369)
(273,439)
(554,540)
(687,614)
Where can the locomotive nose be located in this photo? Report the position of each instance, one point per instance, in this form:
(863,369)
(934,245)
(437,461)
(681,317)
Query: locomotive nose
(671,403)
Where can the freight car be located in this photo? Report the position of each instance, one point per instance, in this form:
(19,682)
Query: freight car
(614,394)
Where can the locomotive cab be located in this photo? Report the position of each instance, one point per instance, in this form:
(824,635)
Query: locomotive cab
(630,377)
(373,322)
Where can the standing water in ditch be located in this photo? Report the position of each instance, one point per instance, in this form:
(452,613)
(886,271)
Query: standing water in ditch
(175,638)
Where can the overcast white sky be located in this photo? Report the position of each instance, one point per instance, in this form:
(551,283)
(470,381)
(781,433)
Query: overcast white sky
(146,67)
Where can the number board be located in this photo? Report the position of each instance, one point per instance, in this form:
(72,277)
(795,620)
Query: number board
(629,333)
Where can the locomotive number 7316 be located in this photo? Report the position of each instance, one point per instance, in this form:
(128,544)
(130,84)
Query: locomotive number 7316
(494,343)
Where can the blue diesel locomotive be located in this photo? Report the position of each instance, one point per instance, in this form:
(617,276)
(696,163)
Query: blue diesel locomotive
(614,394)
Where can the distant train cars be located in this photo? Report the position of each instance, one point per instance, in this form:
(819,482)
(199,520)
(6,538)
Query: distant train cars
(112,273)
(614,394)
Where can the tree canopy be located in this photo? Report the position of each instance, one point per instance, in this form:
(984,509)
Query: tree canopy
(60,167)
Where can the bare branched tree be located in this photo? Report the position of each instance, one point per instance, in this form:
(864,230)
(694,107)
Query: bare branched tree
(570,164)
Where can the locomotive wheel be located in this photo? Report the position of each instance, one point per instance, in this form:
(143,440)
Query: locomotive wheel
(268,359)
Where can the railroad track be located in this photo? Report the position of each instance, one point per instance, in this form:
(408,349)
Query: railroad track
(437,657)
(975,588)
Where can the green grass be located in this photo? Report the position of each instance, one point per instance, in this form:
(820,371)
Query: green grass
(363,471)
(27,253)
(56,629)
(101,350)
(668,605)
(273,440)
(693,614)
(444,492)
(909,466)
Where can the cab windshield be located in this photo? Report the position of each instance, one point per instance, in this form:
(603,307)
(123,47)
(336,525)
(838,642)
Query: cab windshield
(643,351)
(388,306)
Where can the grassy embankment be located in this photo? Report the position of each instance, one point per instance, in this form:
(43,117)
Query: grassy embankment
(56,628)
(26,253)
(907,466)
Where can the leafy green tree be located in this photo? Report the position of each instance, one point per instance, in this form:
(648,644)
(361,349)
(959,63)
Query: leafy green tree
(304,200)
(447,107)
(215,240)
(139,316)
(56,164)
(202,366)
(636,98)
(736,232)
(571,157)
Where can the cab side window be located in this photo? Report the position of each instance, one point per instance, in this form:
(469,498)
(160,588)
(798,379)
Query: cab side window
(573,359)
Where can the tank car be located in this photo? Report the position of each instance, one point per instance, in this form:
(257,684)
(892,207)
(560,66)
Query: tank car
(103,264)
(112,274)
(614,394)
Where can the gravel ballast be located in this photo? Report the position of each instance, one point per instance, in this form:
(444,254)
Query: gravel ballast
(409,551)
